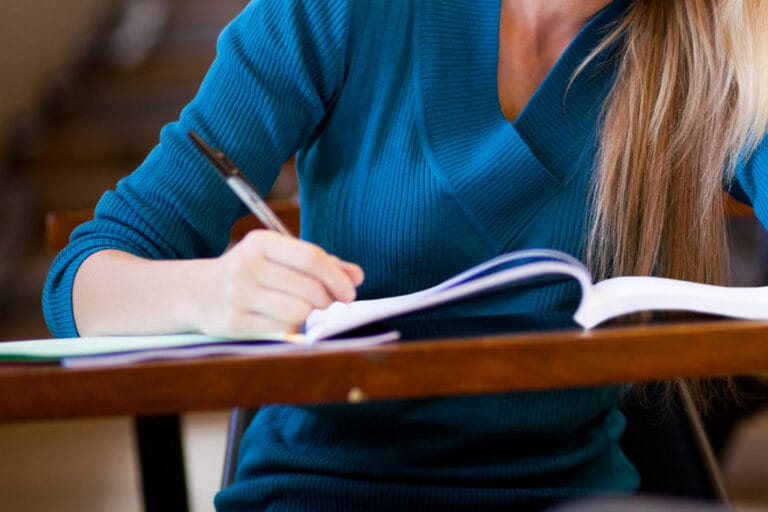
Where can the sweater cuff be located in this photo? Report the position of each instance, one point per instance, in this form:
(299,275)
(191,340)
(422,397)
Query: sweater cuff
(57,296)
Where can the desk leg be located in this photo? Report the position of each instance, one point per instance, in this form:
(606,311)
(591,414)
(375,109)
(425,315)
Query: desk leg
(161,459)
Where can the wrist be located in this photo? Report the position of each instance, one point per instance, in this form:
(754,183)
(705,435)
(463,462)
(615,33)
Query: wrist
(187,302)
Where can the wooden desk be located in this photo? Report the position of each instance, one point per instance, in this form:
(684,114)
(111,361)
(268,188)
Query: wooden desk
(523,361)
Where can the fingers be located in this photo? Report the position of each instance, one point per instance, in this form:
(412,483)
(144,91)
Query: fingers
(279,278)
(243,323)
(270,282)
(241,305)
(340,280)
(353,271)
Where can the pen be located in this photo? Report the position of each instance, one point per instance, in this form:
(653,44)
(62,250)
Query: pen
(240,185)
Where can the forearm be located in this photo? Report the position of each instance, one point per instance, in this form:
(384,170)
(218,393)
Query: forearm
(118,293)
(266,283)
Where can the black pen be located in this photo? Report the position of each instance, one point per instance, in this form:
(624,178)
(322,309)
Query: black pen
(240,185)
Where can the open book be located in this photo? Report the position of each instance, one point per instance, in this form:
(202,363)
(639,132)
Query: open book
(599,302)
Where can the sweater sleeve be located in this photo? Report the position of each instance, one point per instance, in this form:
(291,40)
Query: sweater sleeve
(279,67)
(752,181)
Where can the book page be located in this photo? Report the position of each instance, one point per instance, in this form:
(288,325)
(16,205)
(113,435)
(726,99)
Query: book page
(491,275)
(624,295)
(239,348)
(114,350)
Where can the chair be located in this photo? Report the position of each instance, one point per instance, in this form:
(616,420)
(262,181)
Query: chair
(60,223)
(239,420)
(158,438)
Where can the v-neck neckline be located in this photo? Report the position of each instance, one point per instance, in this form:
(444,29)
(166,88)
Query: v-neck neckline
(562,70)
(476,152)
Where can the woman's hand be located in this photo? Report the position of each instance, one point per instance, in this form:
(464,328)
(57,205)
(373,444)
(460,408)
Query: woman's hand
(266,283)
(270,282)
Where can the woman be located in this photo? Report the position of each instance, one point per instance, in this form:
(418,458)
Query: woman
(432,136)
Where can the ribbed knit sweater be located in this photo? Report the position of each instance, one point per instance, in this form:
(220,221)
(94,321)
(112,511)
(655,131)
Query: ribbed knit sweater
(407,167)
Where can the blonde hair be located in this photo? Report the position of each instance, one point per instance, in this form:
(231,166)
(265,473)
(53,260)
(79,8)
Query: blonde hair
(689,99)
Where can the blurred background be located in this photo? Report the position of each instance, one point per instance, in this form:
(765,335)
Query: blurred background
(85,87)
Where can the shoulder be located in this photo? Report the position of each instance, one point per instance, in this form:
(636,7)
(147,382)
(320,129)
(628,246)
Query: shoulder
(302,16)
(751,175)
(294,39)
(321,22)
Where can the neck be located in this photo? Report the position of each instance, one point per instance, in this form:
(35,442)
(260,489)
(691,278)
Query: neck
(532,36)
(543,20)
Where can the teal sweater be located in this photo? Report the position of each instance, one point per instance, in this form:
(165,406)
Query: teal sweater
(407,167)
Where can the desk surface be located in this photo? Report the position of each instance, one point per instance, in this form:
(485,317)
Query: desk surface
(488,363)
